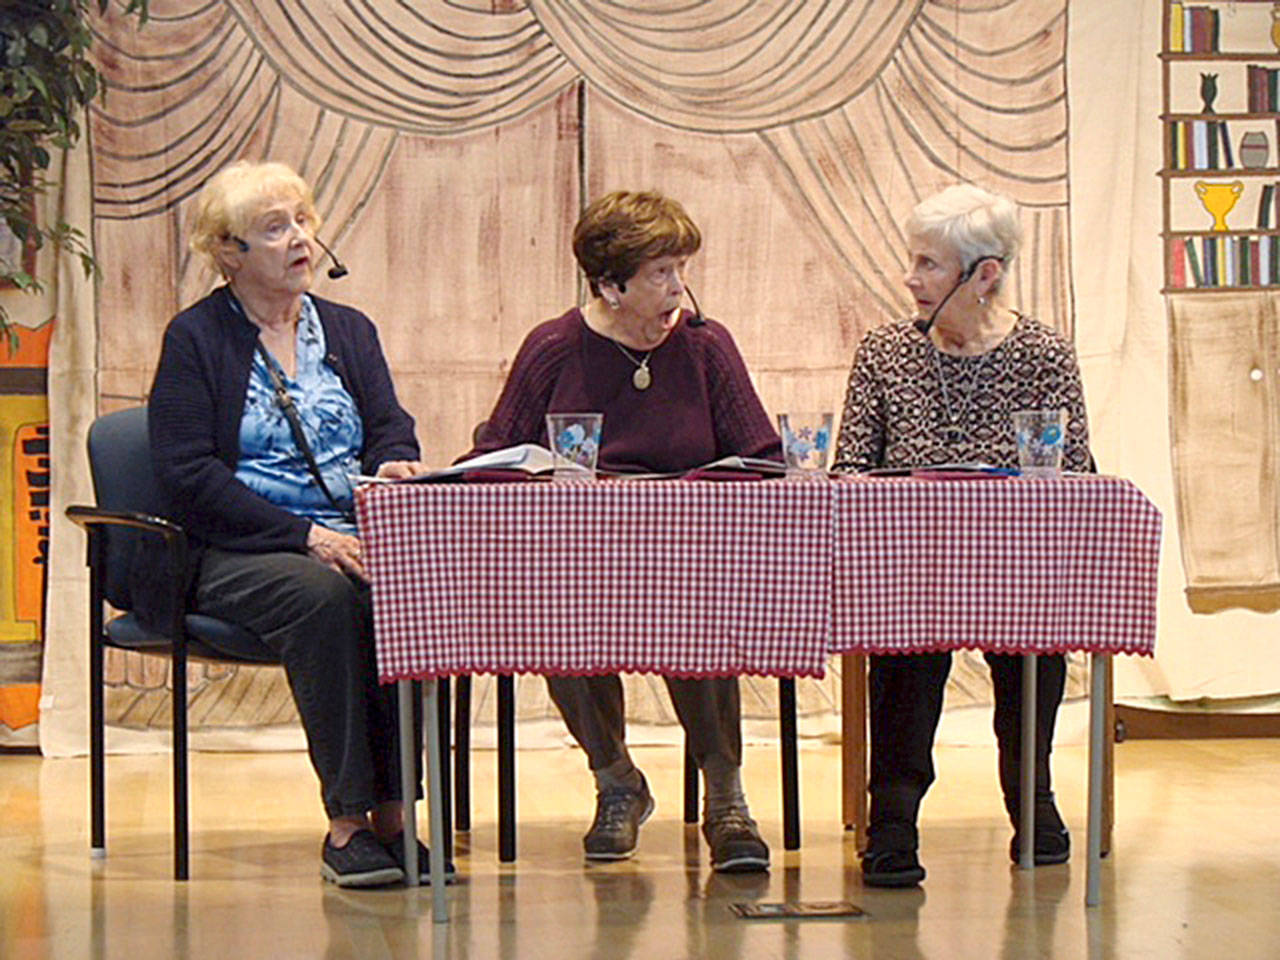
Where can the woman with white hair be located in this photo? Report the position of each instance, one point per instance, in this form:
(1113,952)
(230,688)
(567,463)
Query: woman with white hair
(940,389)
(266,400)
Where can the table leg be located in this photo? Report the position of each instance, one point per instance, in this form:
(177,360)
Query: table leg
(1027,815)
(408,789)
(435,802)
(1097,723)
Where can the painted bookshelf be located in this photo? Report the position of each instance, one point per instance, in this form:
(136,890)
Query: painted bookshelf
(1221,123)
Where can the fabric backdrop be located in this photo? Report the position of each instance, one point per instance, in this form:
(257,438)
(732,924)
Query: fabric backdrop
(451,145)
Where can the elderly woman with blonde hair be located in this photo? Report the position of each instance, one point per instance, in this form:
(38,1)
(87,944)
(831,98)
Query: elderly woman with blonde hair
(941,390)
(675,395)
(266,401)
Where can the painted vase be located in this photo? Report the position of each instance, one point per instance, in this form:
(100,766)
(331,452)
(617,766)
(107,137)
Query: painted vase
(1254,150)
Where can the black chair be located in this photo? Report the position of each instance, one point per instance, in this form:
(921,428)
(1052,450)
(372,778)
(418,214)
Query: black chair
(124,487)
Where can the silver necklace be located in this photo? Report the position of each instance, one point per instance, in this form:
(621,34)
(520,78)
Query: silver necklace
(641,378)
(953,431)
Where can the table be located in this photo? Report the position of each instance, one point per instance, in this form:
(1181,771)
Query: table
(706,578)
(1021,566)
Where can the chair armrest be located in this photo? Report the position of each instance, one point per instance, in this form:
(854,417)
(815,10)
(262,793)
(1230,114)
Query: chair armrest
(94,519)
(90,517)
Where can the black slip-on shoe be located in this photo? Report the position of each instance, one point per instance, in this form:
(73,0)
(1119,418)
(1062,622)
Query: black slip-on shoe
(363,862)
(891,868)
(1052,846)
(395,847)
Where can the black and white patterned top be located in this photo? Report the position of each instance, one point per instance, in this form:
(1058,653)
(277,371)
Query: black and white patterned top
(909,404)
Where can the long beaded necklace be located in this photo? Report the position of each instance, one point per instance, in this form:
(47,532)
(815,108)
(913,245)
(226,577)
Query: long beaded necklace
(953,431)
(641,378)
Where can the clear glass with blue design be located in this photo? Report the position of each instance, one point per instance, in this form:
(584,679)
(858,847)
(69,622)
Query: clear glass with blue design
(1040,435)
(574,439)
(806,441)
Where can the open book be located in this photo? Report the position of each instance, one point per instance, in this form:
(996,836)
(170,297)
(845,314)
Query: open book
(945,470)
(531,459)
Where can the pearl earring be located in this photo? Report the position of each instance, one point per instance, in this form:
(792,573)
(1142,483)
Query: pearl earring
(982,300)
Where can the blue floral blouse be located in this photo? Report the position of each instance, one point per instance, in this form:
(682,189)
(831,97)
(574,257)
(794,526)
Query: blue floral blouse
(271,464)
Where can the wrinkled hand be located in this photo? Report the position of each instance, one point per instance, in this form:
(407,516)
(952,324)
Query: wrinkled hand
(340,551)
(401,469)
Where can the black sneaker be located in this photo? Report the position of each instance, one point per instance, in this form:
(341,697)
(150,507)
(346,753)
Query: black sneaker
(891,868)
(735,843)
(619,813)
(363,862)
(395,847)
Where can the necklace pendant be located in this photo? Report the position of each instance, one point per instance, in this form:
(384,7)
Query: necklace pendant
(641,378)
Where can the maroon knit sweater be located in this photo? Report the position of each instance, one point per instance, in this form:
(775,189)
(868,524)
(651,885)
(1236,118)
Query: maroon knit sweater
(700,406)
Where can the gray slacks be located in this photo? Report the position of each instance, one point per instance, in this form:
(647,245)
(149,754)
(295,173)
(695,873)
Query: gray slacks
(708,708)
(319,623)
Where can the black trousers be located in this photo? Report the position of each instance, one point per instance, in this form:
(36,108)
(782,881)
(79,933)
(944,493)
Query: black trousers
(320,624)
(905,704)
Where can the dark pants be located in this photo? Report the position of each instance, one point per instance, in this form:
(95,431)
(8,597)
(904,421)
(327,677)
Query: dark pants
(319,623)
(708,708)
(906,703)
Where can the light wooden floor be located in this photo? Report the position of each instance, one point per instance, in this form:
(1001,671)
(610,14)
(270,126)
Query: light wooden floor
(1195,874)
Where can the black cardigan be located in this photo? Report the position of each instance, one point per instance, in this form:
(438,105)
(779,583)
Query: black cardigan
(194,413)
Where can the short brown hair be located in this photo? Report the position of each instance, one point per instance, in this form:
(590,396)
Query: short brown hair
(621,230)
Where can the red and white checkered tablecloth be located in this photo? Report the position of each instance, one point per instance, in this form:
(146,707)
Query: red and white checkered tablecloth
(1003,565)
(684,578)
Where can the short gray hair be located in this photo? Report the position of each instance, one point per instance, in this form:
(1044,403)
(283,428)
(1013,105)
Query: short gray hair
(974,223)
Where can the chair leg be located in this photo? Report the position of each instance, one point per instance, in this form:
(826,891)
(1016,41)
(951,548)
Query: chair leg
(96,749)
(462,755)
(446,783)
(97,720)
(1109,762)
(690,784)
(180,864)
(853,746)
(506,769)
(790,764)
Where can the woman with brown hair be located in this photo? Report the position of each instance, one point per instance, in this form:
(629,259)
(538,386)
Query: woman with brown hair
(675,395)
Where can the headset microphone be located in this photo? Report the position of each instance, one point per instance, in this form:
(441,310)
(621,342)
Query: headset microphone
(924,323)
(337,271)
(697,320)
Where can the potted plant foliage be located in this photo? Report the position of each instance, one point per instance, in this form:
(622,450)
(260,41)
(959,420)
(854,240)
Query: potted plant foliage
(46,80)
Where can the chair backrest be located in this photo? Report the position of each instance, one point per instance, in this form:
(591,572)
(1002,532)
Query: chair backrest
(120,463)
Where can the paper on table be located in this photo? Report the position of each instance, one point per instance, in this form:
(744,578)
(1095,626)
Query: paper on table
(532,459)
(751,465)
(967,468)
(526,457)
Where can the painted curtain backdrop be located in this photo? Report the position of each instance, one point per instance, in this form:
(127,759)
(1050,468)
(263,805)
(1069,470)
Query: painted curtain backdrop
(452,143)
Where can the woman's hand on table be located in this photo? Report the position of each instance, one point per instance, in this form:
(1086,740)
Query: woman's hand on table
(401,469)
(340,551)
